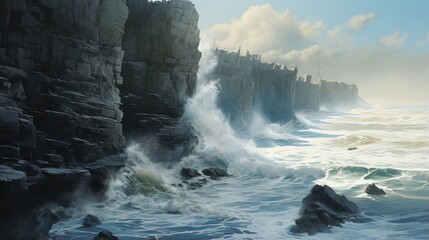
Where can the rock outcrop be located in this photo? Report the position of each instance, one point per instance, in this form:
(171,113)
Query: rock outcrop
(247,84)
(160,72)
(60,64)
(91,221)
(323,208)
(105,235)
(372,189)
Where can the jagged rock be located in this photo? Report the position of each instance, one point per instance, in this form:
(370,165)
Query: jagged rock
(215,173)
(323,208)
(91,221)
(189,173)
(372,189)
(105,235)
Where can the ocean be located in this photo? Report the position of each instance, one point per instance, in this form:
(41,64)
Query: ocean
(273,166)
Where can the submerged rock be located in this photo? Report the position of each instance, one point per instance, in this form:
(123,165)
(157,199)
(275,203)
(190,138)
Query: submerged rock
(372,189)
(352,148)
(215,173)
(91,221)
(105,235)
(189,173)
(323,208)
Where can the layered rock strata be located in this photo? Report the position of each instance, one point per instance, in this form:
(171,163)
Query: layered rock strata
(160,72)
(247,85)
(60,64)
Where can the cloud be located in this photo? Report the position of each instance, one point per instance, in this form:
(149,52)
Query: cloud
(394,40)
(359,22)
(424,42)
(312,53)
(382,71)
(261,28)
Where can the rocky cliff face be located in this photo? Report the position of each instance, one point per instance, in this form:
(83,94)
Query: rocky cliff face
(160,72)
(307,94)
(60,64)
(247,84)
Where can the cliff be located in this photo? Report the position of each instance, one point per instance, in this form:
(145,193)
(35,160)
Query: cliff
(247,85)
(338,95)
(61,118)
(160,72)
(307,94)
(60,64)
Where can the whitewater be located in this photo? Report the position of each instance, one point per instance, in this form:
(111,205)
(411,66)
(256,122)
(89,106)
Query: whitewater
(273,166)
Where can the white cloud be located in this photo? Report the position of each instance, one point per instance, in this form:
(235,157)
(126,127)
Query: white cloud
(358,22)
(394,40)
(381,71)
(261,28)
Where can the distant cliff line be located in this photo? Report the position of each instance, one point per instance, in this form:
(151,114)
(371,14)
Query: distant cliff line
(247,84)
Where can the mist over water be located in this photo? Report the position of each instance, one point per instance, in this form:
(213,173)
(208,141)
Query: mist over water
(273,167)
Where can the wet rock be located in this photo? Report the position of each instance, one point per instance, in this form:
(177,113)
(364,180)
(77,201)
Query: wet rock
(322,209)
(352,148)
(193,185)
(189,173)
(105,235)
(13,192)
(35,226)
(372,189)
(215,173)
(91,221)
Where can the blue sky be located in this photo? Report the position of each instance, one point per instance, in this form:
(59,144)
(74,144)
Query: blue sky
(380,45)
(410,17)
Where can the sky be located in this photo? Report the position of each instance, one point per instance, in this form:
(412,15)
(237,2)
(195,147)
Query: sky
(380,45)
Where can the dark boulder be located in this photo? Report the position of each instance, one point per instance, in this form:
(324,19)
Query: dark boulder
(215,173)
(323,208)
(91,221)
(352,148)
(189,173)
(372,189)
(194,184)
(105,235)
